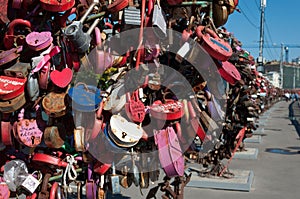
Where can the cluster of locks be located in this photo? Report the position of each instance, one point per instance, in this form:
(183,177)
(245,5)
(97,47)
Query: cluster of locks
(99,95)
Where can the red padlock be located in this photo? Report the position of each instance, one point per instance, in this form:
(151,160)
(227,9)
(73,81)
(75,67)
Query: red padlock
(57,6)
(196,125)
(215,46)
(117,5)
(17,4)
(170,110)
(135,109)
(229,72)
(9,37)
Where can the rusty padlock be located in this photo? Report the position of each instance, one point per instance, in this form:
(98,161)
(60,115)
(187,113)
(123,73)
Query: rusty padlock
(76,35)
(9,37)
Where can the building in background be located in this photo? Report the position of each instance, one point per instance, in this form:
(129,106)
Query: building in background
(291,73)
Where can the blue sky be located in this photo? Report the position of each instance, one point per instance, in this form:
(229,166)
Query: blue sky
(282,25)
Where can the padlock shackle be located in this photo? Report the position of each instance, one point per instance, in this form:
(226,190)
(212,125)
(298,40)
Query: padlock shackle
(93,26)
(98,37)
(89,10)
(16,22)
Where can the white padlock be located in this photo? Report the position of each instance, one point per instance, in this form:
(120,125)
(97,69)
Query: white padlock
(31,183)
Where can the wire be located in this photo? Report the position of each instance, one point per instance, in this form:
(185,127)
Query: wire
(251,11)
(256,27)
(270,37)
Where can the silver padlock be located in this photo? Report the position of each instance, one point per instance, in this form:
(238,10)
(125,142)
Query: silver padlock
(183,52)
(159,22)
(114,181)
(33,86)
(75,34)
(132,17)
(30,184)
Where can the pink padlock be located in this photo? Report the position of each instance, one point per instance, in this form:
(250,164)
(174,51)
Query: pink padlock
(103,60)
(4,191)
(39,40)
(27,131)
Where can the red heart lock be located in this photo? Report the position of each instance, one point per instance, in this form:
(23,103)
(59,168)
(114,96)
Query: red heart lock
(61,78)
(135,109)
(229,72)
(39,40)
(215,46)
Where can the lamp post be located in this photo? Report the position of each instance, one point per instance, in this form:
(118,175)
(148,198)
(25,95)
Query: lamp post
(260,67)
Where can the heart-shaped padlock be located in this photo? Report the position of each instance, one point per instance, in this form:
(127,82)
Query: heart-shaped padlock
(27,131)
(57,6)
(135,109)
(85,98)
(39,40)
(170,110)
(213,44)
(11,87)
(61,78)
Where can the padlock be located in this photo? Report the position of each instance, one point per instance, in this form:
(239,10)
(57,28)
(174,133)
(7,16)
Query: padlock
(159,21)
(114,181)
(4,191)
(27,131)
(117,6)
(57,6)
(9,37)
(3,10)
(90,184)
(9,106)
(61,78)
(30,183)
(32,86)
(54,104)
(102,59)
(44,193)
(196,125)
(39,40)
(170,110)
(11,87)
(6,133)
(213,44)
(19,70)
(135,109)
(52,137)
(98,124)
(131,18)
(10,55)
(76,35)
(17,4)
(220,13)
(79,138)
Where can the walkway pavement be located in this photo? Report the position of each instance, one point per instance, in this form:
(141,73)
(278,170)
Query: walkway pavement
(276,175)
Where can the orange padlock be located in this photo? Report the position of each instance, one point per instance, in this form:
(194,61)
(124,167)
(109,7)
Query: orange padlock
(9,37)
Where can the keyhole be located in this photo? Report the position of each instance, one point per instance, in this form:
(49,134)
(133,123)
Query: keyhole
(32,140)
(36,41)
(124,135)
